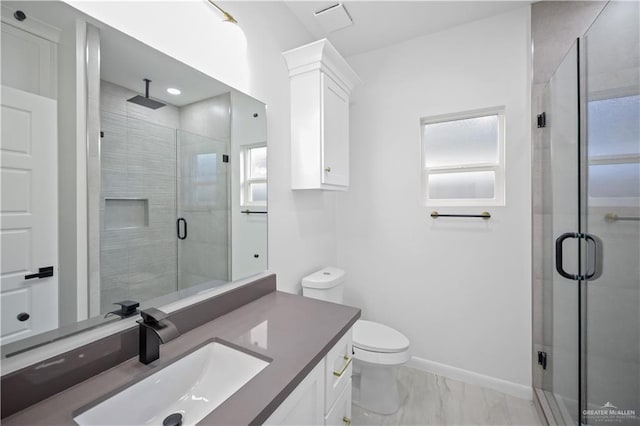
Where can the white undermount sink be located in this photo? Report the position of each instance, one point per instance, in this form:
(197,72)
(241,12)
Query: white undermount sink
(192,386)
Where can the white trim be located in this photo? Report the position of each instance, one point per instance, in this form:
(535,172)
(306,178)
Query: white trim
(245,180)
(31,25)
(499,167)
(82,265)
(471,377)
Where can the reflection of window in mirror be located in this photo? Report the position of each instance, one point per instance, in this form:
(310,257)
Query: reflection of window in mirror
(253,176)
(205,179)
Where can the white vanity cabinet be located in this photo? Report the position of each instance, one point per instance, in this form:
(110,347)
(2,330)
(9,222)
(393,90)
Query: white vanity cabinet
(337,382)
(321,82)
(324,396)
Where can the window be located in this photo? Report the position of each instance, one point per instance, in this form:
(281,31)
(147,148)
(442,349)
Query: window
(204,182)
(463,159)
(253,161)
(614,151)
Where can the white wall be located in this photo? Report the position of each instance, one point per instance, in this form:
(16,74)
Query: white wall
(301,225)
(459,289)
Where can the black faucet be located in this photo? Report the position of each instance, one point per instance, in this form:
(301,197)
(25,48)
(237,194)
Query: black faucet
(154,329)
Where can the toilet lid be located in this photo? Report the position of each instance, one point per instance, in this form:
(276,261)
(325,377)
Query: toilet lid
(376,337)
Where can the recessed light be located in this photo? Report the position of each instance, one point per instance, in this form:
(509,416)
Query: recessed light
(173,91)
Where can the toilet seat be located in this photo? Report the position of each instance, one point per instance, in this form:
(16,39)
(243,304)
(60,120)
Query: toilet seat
(379,344)
(376,337)
(380,358)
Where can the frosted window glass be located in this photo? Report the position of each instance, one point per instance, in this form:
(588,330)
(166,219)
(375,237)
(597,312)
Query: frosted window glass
(468,141)
(258,163)
(205,189)
(206,165)
(258,192)
(614,126)
(614,180)
(470,185)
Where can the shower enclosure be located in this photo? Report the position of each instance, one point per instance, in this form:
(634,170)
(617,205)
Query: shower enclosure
(164,210)
(590,224)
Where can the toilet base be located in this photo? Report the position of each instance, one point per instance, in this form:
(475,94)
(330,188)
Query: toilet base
(375,387)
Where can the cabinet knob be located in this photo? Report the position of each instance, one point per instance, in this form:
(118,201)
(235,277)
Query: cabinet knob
(23,316)
(327,169)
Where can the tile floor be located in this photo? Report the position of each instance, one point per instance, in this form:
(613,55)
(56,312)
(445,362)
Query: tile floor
(436,400)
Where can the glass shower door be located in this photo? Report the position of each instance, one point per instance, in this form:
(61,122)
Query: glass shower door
(560,139)
(611,193)
(591,226)
(203,223)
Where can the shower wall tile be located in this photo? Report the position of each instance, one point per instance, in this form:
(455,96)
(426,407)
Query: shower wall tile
(138,160)
(143,129)
(113,123)
(207,226)
(167,116)
(204,259)
(113,147)
(114,100)
(210,117)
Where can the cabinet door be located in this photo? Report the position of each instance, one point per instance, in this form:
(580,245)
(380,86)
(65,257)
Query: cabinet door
(338,369)
(305,405)
(340,413)
(335,133)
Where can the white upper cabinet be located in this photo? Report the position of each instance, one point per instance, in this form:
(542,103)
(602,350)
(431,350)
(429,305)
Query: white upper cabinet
(321,82)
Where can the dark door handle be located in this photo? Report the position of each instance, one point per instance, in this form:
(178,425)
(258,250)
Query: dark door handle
(184,222)
(559,258)
(44,272)
(595,260)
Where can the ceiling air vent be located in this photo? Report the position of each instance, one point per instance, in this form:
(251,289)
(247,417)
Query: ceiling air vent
(333,18)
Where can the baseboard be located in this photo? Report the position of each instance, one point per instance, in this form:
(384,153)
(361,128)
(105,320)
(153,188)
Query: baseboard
(473,378)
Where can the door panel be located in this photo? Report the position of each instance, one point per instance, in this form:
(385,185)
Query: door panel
(28,234)
(335,133)
(611,191)
(203,256)
(563,125)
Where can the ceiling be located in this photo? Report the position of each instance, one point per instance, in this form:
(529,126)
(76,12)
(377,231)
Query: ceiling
(378,24)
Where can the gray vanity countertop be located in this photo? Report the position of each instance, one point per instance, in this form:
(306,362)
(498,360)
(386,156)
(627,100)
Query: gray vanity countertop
(294,331)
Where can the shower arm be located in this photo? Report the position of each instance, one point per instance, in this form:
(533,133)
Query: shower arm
(146,87)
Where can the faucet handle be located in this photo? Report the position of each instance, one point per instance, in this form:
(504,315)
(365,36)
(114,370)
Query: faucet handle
(151,315)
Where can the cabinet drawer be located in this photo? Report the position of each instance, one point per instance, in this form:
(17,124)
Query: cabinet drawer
(340,413)
(338,368)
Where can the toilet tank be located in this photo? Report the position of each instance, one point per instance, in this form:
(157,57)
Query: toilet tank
(325,284)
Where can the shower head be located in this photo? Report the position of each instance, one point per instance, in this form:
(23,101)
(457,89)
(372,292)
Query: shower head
(145,100)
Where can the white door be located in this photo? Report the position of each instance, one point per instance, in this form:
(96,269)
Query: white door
(28,214)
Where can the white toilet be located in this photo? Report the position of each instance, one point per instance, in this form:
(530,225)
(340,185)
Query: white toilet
(377,349)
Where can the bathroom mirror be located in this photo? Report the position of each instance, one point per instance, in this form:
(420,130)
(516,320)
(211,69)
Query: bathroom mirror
(126,176)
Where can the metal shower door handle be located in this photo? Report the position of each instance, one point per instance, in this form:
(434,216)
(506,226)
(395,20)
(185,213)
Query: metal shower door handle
(559,255)
(594,265)
(595,271)
(180,235)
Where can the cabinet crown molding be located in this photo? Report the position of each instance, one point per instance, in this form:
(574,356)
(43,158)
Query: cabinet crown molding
(322,55)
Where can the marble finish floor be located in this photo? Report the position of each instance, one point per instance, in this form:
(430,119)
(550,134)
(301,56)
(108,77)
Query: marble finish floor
(436,400)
